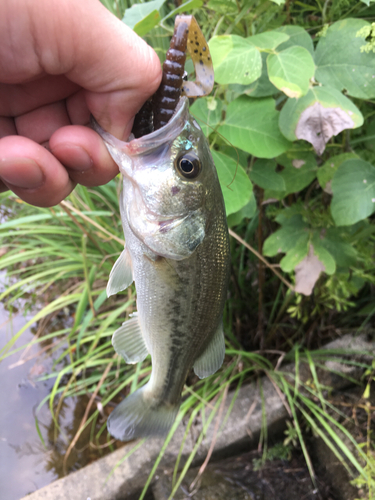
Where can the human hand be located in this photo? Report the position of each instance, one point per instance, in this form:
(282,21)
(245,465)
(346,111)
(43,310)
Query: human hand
(59,62)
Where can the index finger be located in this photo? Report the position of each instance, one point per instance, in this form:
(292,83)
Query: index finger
(86,43)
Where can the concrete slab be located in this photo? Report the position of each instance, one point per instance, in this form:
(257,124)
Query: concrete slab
(240,434)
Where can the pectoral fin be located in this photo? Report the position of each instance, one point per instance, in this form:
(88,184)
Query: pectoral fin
(128,341)
(213,356)
(121,275)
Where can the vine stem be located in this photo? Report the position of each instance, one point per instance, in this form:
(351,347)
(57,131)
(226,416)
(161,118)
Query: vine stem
(261,273)
(260,257)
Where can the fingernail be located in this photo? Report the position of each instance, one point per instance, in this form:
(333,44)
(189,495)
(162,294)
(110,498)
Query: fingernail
(74,157)
(21,172)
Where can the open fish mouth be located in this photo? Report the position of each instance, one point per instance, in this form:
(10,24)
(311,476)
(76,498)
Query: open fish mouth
(147,143)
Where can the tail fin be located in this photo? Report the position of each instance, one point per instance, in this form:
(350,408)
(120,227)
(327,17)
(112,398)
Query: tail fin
(139,416)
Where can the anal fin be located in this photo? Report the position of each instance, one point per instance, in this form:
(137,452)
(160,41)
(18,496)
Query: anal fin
(128,341)
(121,275)
(213,356)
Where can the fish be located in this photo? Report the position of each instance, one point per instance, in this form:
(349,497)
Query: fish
(177,252)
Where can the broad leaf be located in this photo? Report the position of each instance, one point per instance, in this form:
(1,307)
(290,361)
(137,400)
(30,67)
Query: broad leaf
(268,40)
(235,60)
(142,17)
(295,254)
(343,252)
(326,172)
(235,184)
(299,171)
(309,269)
(297,36)
(263,173)
(236,154)
(261,87)
(247,211)
(252,125)
(207,111)
(353,187)
(340,62)
(369,135)
(291,70)
(284,239)
(317,116)
(323,254)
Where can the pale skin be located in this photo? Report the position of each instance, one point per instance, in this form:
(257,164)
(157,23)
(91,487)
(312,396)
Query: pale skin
(59,62)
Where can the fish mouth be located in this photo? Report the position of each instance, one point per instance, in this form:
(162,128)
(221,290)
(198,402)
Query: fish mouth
(149,142)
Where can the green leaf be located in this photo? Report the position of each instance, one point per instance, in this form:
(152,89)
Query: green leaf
(297,36)
(369,137)
(326,172)
(290,70)
(207,111)
(268,40)
(295,254)
(185,7)
(252,125)
(237,154)
(235,60)
(261,87)
(142,17)
(344,253)
(323,254)
(223,6)
(317,116)
(299,170)
(235,184)
(263,173)
(340,62)
(284,239)
(247,211)
(353,187)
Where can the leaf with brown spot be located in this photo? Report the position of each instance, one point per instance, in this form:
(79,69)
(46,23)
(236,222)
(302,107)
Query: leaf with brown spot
(308,272)
(322,113)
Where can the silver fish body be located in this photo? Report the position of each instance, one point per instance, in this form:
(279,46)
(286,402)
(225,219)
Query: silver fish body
(177,252)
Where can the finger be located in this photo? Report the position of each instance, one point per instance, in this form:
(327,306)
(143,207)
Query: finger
(41,123)
(77,109)
(32,172)
(17,99)
(3,187)
(7,127)
(93,48)
(83,153)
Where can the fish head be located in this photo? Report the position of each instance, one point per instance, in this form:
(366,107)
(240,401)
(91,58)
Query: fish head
(170,184)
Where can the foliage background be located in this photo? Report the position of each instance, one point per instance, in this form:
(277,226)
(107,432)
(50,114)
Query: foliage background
(291,128)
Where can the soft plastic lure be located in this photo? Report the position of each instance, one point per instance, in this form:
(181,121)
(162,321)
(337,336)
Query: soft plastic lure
(187,36)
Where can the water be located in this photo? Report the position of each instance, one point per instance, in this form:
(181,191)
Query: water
(22,455)
(25,463)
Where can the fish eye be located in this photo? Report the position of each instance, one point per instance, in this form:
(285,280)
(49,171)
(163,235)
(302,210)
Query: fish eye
(188,165)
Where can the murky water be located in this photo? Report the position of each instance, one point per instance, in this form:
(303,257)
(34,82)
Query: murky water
(22,456)
(25,463)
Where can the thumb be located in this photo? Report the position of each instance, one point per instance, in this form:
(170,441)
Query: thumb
(91,47)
